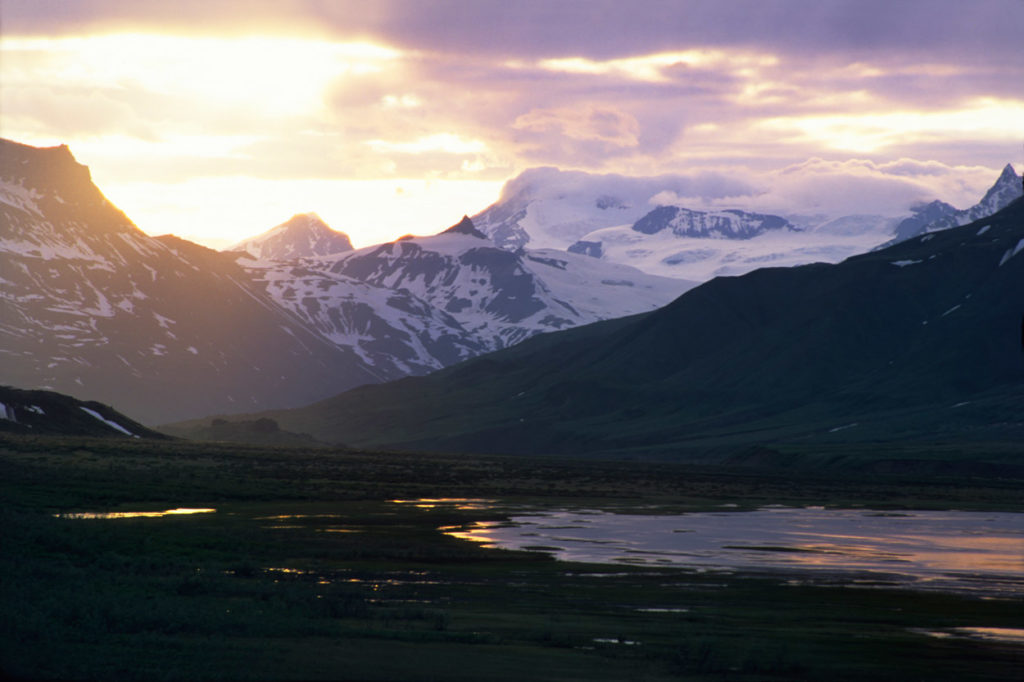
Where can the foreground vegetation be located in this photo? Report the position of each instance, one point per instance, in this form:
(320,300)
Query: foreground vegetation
(307,570)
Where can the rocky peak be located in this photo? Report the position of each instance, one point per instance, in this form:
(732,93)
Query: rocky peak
(301,236)
(465,226)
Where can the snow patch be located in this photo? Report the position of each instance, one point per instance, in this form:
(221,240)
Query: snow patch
(111,424)
(1010,253)
(983,230)
(905,263)
(844,427)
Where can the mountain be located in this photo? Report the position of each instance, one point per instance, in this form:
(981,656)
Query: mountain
(552,209)
(46,413)
(303,235)
(922,216)
(700,246)
(626,220)
(165,328)
(941,216)
(421,303)
(920,342)
(171,330)
(729,224)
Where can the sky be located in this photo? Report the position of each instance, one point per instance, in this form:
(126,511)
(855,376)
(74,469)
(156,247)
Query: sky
(217,119)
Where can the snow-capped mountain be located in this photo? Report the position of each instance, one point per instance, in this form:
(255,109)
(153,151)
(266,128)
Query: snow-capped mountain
(728,224)
(166,329)
(301,236)
(641,222)
(392,330)
(421,303)
(553,209)
(619,219)
(918,343)
(163,329)
(941,216)
(923,215)
(677,242)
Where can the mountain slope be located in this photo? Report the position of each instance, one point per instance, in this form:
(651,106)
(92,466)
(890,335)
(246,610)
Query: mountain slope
(46,413)
(941,216)
(422,303)
(171,329)
(919,341)
(165,328)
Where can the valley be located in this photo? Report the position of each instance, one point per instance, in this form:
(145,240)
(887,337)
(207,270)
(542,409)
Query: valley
(331,564)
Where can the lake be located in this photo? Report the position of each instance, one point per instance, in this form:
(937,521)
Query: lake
(973,552)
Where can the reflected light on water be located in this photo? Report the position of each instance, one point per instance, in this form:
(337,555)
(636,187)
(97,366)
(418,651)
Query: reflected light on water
(462,503)
(954,551)
(1005,635)
(136,514)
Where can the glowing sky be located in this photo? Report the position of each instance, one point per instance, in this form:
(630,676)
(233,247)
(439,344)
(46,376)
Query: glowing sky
(216,119)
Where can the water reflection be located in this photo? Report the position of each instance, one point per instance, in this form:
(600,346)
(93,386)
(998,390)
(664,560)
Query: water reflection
(1004,635)
(962,551)
(462,503)
(134,514)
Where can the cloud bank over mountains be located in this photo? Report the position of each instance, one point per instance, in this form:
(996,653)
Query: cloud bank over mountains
(167,97)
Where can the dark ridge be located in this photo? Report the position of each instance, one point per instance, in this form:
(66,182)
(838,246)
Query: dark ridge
(48,413)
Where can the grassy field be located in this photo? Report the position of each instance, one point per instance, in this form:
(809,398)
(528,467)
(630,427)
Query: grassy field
(307,570)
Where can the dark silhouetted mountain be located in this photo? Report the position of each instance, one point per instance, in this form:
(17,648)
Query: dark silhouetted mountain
(47,413)
(919,341)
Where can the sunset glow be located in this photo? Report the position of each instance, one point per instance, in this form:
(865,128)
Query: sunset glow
(222,119)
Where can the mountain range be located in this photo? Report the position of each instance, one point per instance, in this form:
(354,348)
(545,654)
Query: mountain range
(169,329)
(939,215)
(921,341)
(622,220)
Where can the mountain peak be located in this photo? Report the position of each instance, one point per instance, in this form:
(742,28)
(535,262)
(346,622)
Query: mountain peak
(38,180)
(465,226)
(1006,188)
(303,235)
(310,221)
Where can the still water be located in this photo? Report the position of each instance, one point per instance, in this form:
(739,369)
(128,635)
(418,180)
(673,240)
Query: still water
(977,552)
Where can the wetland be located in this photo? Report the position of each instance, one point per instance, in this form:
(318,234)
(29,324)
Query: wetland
(333,564)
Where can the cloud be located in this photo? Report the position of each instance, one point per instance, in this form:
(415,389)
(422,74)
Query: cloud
(600,29)
(589,123)
(729,98)
(861,186)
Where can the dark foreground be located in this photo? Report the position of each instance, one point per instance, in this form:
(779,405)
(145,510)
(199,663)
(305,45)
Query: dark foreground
(308,571)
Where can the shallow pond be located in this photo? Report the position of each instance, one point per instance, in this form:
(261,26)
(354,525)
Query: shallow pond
(979,552)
